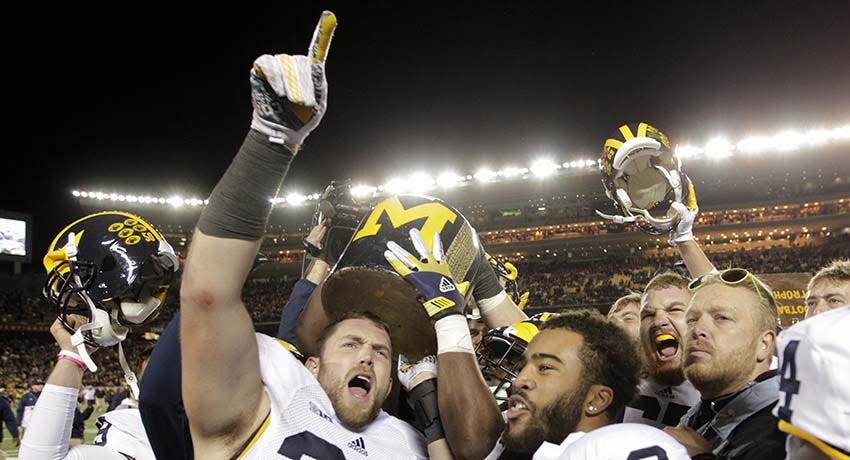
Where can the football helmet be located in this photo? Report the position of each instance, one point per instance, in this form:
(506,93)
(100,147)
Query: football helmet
(643,177)
(508,275)
(114,269)
(500,350)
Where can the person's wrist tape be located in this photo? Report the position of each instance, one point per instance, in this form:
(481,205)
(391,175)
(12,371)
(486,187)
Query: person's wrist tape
(241,202)
(73,358)
(423,398)
(453,335)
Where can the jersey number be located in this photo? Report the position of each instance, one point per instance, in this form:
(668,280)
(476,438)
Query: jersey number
(651,408)
(790,385)
(648,452)
(306,443)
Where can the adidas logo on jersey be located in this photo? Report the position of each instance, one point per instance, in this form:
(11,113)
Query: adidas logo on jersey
(314,409)
(359,446)
(446,285)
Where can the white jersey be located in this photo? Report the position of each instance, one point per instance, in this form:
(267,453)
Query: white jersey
(122,430)
(121,434)
(302,421)
(814,397)
(621,441)
(661,405)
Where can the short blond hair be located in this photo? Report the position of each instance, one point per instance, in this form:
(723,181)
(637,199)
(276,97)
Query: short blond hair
(767,317)
(622,302)
(836,272)
(664,281)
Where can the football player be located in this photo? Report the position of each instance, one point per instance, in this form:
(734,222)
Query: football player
(107,272)
(625,313)
(329,408)
(829,288)
(550,399)
(814,400)
(615,442)
(664,394)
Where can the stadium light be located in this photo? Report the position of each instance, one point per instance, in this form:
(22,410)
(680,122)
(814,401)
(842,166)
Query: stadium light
(175,201)
(295,198)
(818,136)
(688,151)
(363,191)
(484,175)
(842,133)
(420,182)
(787,141)
(543,167)
(396,185)
(718,148)
(449,179)
(511,172)
(755,144)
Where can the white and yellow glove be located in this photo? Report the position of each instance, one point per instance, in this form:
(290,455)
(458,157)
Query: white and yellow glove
(289,93)
(684,230)
(410,374)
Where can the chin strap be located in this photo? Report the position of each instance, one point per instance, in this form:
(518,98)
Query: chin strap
(129,375)
(77,339)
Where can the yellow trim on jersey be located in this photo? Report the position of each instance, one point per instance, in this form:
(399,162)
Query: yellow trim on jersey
(255,437)
(626,132)
(811,439)
(642,130)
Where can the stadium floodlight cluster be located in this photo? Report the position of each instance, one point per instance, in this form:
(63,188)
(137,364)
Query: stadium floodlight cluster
(717,148)
(175,200)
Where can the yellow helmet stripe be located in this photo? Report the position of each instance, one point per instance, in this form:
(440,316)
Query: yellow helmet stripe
(626,132)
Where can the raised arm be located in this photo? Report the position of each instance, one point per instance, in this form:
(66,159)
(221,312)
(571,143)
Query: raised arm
(683,237)
(470,416)
(219,351)
(496,306)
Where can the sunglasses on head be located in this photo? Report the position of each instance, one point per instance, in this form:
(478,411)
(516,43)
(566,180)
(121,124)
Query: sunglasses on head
(729,277)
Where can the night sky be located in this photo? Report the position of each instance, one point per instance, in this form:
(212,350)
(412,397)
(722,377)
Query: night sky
(156,100)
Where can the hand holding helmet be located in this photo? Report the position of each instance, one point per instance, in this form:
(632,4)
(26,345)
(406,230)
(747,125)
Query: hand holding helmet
(429,274)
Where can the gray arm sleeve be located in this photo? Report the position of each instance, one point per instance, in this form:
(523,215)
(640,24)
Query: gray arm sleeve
(240,204)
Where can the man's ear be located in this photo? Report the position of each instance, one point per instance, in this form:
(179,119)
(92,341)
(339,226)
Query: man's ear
(765,345)
(312,365)
(597,400)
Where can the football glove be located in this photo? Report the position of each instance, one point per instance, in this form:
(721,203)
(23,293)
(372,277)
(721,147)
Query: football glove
(408,372)
(429,274)
(684,230)
(289,93)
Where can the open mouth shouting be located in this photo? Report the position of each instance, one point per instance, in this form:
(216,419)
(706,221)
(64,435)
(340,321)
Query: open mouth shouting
(359,386)
(666,347)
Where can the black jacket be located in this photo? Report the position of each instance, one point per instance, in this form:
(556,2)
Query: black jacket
(7,416)
(742,427)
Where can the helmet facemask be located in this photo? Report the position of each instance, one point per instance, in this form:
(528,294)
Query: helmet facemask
(643,178)
(499,357)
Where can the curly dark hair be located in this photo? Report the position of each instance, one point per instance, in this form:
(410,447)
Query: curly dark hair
(608,356)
